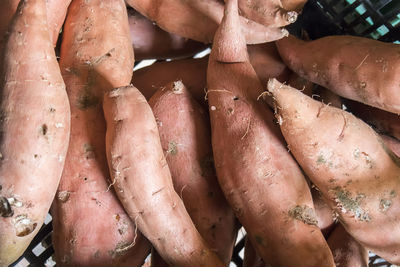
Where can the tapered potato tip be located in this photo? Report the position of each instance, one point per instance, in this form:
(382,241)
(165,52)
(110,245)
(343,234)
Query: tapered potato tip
(229,43)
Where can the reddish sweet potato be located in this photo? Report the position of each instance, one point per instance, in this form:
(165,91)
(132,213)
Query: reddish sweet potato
(35,121)
(323,212)
(357,68)
(192,72)
(347,251)
(149,41)
(271,199)
(90,226)
(267,12)
(383,121)
(143,183)
(198,20)
(349,163)
(251,258)
(185,138)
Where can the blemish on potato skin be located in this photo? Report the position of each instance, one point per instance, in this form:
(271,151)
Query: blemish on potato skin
(23,225)
(5,208)
(63,196)
(304,214)
(348,204)
(43,129)
(172,148)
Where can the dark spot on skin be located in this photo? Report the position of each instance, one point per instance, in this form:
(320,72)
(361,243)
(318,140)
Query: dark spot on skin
(235,98)
(87,100)
(43,129)
(259,240)
(172,148)
(5,208)
(85,178)
(213,226)
(35,156)
(97,254)
(52,109)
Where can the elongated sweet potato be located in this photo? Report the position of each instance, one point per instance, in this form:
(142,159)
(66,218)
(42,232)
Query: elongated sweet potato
(347,251)
(35,121)
(349,163)
(267,12)
(143,183)
(151,42)
(91,227)
(357,68)
(198,20)
(56,12)
(185,138)
(259,178)
(382,121)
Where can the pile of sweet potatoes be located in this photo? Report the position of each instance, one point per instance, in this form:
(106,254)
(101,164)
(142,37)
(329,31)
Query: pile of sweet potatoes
(295,141)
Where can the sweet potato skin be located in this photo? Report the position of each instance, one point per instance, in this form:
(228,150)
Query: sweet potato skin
(350,165)
(91,227)
(198,20)
(143,183)
(357,68)
(346,251)
(187,149)
(249,153)
(383,122)
(35,121)
(151,42)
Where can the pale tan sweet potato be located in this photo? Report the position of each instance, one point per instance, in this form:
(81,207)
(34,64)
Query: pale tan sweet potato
(151,42)
(382,121)
(143,183)
(258,176)
(346,251)
(349,163)
(198,20)
(56,12)
(357,68)
(91,227)
(185,138)
(35,128)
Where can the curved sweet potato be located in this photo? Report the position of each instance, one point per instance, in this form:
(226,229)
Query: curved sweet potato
(271,199)
(91,227)
(357,68)
(198,20)
(382,121)
(185,138)
(347,251)
(35,128)
(349,163)
(143,183)
(151,42)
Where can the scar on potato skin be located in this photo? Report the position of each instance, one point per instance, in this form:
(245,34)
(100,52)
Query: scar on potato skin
(5,208)
(304,214)
(347,203)
(23,225)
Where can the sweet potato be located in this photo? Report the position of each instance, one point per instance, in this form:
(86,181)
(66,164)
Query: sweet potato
(91,227)
(259,178)
(392,143)
(192,72)
(185,138)
(349,163)
(56,12)
(267,12)
(143,183)
(357,68)
(323,212)
(35,128)
(198,20)
(382,121)
(251,258)
(347,251)
(151,42)
(296,5)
